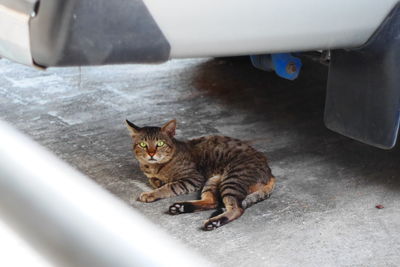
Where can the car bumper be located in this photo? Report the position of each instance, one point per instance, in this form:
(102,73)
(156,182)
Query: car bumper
(98,32)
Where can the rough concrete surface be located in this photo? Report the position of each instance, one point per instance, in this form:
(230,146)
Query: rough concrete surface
(322,212)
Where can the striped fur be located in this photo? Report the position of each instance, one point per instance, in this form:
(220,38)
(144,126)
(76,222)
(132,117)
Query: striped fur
(228,172)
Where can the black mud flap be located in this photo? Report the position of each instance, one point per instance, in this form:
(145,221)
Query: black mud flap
(363,96)
(95,32)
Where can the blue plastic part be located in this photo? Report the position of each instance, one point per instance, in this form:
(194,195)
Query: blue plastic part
(285,65)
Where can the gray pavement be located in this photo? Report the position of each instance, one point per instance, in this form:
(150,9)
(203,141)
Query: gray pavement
(322,212)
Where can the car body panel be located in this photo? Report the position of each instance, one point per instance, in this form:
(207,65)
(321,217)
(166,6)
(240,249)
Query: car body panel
(191,28)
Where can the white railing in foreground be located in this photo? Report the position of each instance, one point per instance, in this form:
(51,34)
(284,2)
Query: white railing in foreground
(72,221)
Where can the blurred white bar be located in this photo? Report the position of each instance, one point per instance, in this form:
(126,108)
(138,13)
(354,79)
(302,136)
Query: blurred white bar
(72,221)
(15,252)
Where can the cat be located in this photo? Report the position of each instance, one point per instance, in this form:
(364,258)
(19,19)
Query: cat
(225,169)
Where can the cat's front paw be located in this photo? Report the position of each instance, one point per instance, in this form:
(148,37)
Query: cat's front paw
(147,197)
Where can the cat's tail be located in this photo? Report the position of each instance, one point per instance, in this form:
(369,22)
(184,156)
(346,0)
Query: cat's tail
(261,194)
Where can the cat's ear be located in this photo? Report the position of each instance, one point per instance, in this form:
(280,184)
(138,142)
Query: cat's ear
(133,129)
(169,128)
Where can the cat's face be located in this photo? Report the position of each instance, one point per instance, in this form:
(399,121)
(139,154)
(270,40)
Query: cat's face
(153,144)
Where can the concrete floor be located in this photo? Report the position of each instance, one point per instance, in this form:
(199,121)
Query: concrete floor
(322,212)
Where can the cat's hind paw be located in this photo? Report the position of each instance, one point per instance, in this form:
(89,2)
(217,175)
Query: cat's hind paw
(214,223)
(182,207)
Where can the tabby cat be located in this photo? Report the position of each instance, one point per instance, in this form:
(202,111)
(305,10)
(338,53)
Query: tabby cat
(226,170)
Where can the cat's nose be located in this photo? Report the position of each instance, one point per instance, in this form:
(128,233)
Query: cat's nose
(151,153)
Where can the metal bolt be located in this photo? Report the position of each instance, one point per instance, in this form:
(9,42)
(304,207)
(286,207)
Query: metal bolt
(291,68)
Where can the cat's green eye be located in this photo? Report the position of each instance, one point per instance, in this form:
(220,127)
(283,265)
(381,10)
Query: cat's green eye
(160,143)
(142,144)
